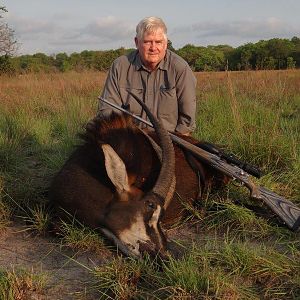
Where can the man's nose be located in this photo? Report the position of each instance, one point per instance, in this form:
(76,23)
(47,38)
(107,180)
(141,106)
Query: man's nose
(152,45)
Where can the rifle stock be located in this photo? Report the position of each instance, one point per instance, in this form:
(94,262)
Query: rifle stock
(283,208)
(286,210)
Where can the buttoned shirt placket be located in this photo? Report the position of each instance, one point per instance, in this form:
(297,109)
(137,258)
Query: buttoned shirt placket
(150,96)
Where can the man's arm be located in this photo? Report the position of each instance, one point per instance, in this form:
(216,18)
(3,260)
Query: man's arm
(110,92)
(186,94)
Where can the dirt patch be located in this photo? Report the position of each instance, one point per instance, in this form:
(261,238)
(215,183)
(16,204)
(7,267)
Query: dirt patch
(67,273)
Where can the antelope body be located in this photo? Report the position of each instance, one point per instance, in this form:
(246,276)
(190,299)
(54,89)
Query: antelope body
(115,182)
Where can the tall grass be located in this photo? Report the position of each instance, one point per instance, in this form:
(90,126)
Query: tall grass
(256,116)
(245,255)
(39,119)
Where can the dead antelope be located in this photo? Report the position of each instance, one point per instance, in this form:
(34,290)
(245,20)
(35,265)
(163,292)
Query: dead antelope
(118,181)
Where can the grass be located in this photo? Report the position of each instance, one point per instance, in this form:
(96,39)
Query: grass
(5,212)
(38,219)
(80,238)
(223,270)
(21,284)
(5,215)
(244,123)
(244,253)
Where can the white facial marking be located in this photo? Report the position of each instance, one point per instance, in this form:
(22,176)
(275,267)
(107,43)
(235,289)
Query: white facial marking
(154,219)
(154,222)
(135,234)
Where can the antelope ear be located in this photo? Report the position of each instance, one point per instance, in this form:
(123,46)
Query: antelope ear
(116,169)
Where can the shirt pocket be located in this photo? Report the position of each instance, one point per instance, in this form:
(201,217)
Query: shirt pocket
(168,105)
(167,110)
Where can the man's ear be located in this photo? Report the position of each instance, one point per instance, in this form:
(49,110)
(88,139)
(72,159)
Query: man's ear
(166,44)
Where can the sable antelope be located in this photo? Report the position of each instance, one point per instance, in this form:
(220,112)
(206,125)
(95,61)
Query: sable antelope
(115,182)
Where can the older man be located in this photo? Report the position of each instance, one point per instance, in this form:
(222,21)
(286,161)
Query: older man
(162,79)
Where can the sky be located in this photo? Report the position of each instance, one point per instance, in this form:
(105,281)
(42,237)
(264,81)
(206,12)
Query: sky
(53,26)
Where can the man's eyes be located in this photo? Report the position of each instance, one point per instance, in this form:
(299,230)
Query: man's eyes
(155,42)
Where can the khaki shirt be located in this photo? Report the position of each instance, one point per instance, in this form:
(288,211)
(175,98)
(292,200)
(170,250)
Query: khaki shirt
(169,91)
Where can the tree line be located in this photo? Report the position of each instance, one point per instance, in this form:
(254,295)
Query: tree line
(270,54)
(273,54)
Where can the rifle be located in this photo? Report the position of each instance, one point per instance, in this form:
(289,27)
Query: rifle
(286,210)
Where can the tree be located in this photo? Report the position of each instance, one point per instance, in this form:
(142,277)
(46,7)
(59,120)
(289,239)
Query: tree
(62,62)
(190,54)
(290,63)
(247,52)
(210,60)
(77,62)
(295,53)
(261,56)
(8,43)
(170,46)
(280,49)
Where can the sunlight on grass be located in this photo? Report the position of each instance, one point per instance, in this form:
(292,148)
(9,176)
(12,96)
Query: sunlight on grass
(245,253)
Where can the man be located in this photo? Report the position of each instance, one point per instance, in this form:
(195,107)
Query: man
(162,79)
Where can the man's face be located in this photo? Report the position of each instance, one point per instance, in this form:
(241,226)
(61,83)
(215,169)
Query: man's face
(152,48)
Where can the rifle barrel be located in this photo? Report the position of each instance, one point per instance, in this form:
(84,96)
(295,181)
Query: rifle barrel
(125,111)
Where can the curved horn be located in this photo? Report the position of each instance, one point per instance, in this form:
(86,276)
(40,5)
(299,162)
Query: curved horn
(167,171)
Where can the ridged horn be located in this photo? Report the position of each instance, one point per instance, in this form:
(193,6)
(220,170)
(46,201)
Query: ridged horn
(167,171)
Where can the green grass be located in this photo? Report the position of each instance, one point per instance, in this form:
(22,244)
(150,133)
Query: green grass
(262,131)
(243,252)
(80,238)
(215,270)
(37,219)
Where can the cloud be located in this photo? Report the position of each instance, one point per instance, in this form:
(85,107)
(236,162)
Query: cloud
(29,28)
(60,33)
(109,28)
(63,33)
(238,30)
(104,33)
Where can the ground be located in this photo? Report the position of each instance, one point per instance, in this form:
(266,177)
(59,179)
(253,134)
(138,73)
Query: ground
(66,272)
(66,275)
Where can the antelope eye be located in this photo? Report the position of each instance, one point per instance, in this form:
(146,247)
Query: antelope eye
(151,205)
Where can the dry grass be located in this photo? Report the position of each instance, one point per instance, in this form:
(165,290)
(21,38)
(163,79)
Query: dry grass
(21,284)
(255,114)
(267,86)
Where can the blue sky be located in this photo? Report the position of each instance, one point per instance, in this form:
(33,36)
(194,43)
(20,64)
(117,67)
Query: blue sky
(53,26)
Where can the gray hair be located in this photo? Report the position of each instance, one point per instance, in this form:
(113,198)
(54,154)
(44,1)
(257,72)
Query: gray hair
(150,24)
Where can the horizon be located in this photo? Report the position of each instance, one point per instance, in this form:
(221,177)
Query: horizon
(53,27)
(115,49)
